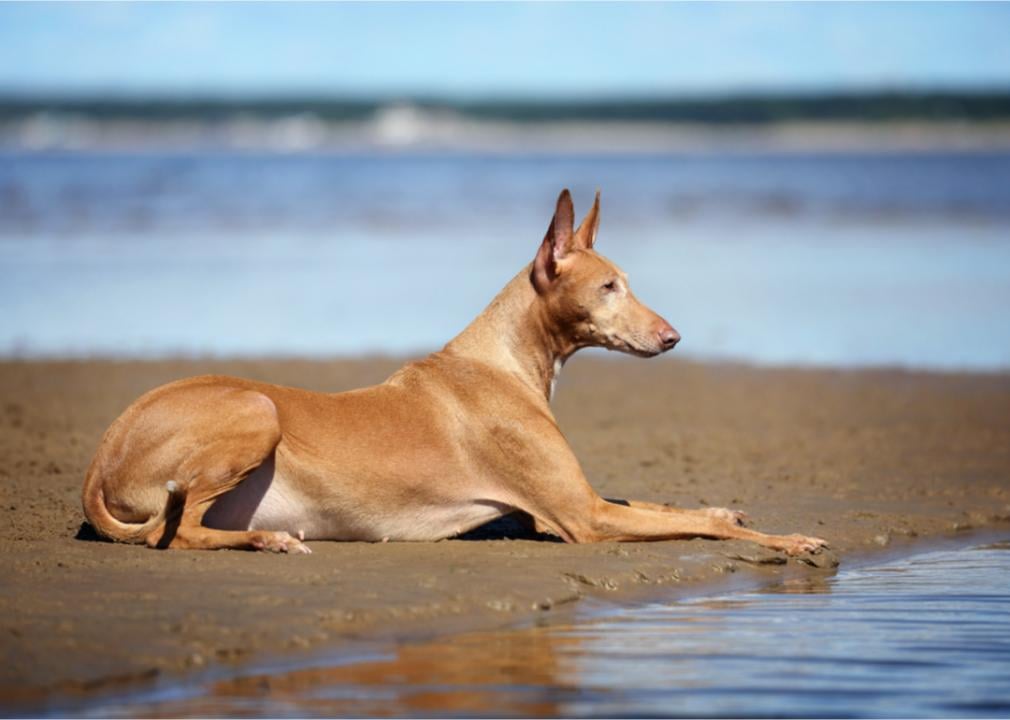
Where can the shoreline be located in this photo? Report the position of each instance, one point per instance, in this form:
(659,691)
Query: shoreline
(876,461)
(591,607)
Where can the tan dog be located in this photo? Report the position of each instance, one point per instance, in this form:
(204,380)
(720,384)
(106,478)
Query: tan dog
(446,444)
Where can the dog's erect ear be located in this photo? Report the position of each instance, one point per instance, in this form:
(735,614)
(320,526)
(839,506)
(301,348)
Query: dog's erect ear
(561,226)
(558,242)
(585,236)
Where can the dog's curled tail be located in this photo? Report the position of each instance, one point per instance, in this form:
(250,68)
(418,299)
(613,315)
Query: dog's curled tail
(112,528)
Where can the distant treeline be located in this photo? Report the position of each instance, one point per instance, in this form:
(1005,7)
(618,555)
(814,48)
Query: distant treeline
(751,109)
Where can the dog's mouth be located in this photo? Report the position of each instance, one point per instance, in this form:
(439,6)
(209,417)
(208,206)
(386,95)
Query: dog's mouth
(635,346)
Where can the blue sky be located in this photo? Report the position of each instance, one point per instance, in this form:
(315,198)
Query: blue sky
(538,49)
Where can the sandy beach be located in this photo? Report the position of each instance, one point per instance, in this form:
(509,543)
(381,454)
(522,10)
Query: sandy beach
(872,460)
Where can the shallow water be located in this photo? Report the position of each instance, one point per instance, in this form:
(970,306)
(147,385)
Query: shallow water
(837,259)
(921,637)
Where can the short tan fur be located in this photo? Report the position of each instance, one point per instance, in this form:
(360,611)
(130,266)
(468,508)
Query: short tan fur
(446,444)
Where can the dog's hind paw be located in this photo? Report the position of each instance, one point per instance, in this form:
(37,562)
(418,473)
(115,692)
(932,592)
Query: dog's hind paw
(280,542)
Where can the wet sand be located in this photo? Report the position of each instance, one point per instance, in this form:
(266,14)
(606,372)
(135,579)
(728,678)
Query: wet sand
(870,460)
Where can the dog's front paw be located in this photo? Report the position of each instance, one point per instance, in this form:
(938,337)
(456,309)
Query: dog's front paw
(280,542)
(798,544)
(737,517)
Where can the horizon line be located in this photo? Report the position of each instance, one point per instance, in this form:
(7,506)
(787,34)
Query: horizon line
(319,95)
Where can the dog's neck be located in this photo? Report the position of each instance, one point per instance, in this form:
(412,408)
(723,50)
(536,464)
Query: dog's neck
(513,334)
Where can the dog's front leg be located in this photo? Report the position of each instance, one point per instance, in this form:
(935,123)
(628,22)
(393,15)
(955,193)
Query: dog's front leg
(737,517)
(553,489)
(607,521)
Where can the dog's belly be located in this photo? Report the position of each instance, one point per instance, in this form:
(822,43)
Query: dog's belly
(266,500)
(433,522)
(262,501)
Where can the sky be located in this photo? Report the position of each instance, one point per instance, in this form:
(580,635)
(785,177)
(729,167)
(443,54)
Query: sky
(551,50)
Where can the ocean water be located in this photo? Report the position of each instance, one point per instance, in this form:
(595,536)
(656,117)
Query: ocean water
(926,636)
(830,259)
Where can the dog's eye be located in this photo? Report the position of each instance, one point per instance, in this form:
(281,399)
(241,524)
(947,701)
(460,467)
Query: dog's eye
(608,286)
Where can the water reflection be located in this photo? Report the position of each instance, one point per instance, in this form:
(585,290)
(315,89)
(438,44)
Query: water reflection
(461,675)
(916,638)
(813,585)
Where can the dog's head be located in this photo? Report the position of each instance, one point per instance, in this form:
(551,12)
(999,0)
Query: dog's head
(586,296)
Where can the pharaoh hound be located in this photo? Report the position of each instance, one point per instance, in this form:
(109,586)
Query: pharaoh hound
(446,444)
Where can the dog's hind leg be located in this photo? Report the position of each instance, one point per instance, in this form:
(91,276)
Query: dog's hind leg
(241,437)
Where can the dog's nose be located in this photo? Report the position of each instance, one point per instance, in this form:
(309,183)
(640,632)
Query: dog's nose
(668,337)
